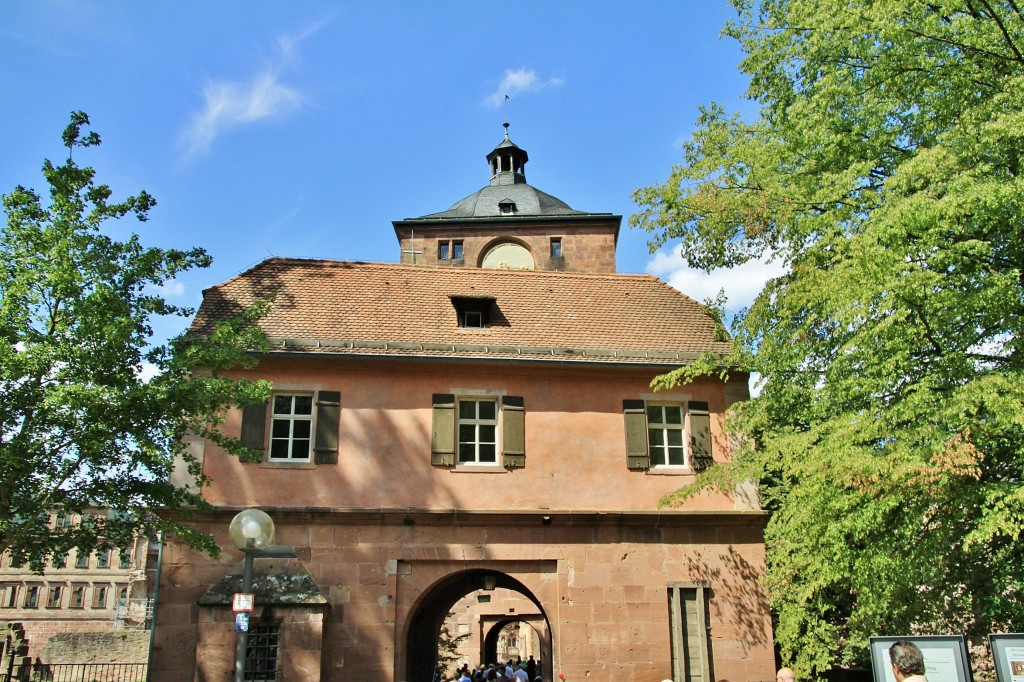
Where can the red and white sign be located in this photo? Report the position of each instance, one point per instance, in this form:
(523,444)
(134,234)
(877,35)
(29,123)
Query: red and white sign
(242,602)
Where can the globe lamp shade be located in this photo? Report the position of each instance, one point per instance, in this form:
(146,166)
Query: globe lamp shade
(251,529)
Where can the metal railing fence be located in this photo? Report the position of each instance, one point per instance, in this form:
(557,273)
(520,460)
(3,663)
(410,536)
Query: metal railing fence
(74,672)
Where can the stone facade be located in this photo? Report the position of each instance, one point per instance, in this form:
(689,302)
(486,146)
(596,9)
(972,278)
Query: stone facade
(586,245)
(99,594)
(599,582)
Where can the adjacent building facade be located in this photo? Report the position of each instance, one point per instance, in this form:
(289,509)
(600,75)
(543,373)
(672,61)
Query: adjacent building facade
(472,429)
(96,593)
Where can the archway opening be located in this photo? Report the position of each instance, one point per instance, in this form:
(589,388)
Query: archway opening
(461,618)
(516,639)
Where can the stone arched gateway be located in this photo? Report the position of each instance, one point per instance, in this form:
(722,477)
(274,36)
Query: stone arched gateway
(455,580)
(622,597)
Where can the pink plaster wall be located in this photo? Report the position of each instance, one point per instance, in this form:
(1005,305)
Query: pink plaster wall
(575,440)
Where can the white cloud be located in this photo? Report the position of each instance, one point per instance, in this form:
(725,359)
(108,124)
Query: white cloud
(741,284)
(146,371)
(228,105)
(515,82)
(172,288)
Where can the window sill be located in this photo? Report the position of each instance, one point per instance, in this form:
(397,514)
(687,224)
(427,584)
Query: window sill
(299,464)
(670,471)
(479,469)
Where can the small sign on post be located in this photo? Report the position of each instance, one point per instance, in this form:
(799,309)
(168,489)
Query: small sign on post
(242,602)
(242,622)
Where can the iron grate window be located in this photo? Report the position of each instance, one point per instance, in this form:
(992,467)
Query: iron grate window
(261,652)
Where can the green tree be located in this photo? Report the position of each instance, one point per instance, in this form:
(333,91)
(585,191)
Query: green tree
(883,167)
(81,431)
(448,647)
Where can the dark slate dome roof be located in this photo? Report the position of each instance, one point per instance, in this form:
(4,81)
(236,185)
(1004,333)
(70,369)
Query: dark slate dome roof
(529,201)
(508,189)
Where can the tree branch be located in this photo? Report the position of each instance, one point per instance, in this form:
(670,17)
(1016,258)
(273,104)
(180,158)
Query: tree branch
(1002,29)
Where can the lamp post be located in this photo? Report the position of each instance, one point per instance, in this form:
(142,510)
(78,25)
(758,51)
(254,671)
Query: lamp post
(251,530)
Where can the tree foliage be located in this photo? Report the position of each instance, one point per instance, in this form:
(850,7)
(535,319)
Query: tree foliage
(83,434)
(448,647)
(884,168)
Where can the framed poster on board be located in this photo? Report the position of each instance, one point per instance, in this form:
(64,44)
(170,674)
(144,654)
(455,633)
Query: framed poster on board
(1008,654)
(945,658)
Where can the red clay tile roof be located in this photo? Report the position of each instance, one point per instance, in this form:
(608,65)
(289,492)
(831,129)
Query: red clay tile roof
(390,309)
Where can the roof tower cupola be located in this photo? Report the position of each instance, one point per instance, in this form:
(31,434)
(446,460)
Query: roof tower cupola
(507,162)
(510,224)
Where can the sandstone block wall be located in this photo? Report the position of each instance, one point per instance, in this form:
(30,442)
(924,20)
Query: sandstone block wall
(602,587)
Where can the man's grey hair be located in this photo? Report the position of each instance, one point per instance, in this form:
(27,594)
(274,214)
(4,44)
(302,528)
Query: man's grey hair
(907,658)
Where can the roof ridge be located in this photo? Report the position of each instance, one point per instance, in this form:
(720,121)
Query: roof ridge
(457,271)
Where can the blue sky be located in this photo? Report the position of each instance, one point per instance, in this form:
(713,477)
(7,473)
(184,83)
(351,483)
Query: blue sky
(303,129)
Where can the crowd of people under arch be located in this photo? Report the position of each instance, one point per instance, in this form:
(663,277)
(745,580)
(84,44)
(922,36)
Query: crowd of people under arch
(512,671)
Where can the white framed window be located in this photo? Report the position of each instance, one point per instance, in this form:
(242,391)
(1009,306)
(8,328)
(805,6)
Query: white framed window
(666,431)
(668,437)
(478,430)
(291,427)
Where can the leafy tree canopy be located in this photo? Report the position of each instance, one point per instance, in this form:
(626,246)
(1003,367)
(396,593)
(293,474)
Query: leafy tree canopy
(81,431)
(884,168)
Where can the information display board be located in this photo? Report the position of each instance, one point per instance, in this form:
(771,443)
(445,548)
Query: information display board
(945,658)
(1008,654)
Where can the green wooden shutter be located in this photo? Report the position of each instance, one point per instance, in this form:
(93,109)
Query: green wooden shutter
(701,456)
(513,432)
(328,414)
(442,436)
(637,455)
(254,431)
(690,632)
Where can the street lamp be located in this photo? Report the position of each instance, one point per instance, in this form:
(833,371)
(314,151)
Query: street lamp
(251,530)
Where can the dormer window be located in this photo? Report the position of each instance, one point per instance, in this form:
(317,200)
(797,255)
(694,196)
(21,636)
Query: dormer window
(506,207)
(473,313)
